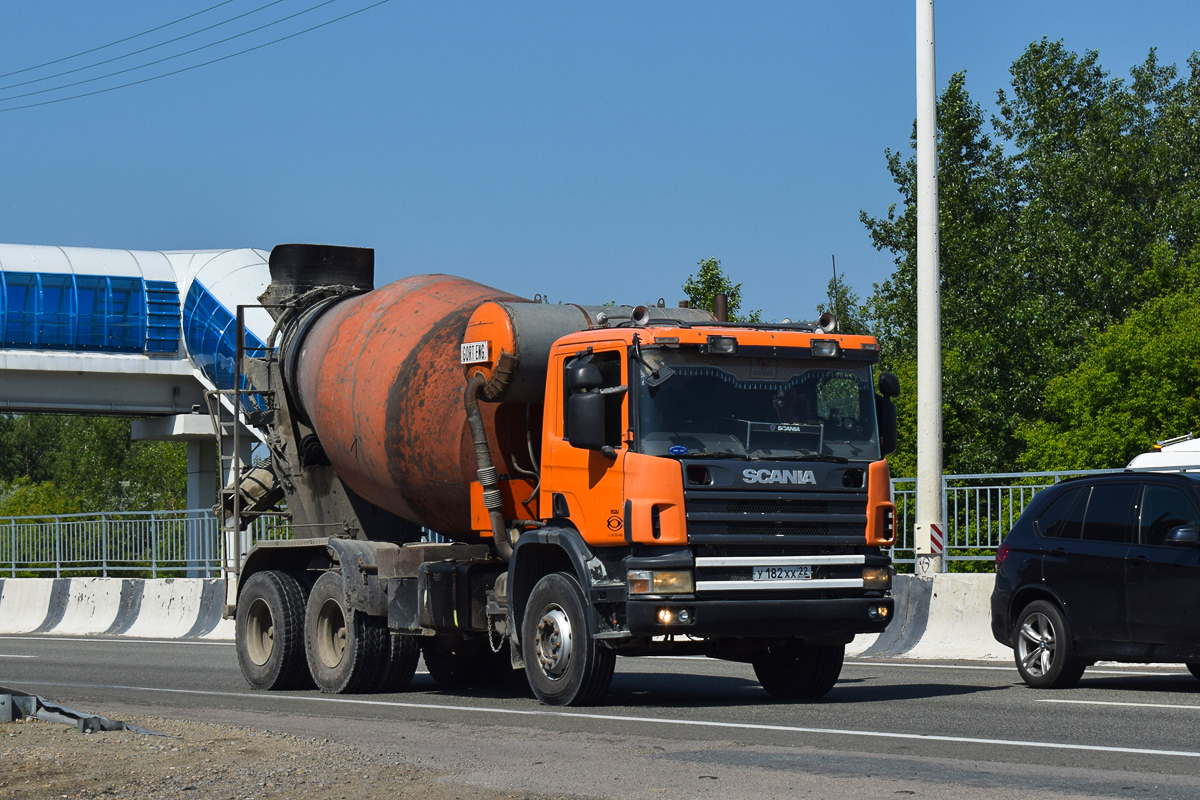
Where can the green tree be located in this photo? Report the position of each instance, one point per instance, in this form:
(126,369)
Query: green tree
(1139,383)
(1091,213)
(709,281)
(89,464)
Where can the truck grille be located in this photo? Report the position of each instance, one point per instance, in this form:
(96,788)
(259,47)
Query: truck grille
(740,519)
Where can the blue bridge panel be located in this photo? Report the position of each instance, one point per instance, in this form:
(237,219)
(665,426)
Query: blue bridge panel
(101,313)
(210,331)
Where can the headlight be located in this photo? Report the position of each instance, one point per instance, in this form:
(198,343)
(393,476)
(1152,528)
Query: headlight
(877,578)
(645,581)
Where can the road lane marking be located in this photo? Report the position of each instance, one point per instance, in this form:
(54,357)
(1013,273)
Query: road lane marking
(118,639)
(6,655)
(1009,668)
(694,723)
(1117,703)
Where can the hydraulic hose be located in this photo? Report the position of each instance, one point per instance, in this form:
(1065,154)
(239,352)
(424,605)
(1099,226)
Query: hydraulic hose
(486,471)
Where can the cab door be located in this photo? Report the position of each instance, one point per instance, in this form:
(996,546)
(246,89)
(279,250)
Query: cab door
(587,486)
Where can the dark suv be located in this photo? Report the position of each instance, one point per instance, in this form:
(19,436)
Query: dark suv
(1104,567)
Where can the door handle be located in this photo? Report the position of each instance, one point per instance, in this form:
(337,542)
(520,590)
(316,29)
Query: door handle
(1139,560)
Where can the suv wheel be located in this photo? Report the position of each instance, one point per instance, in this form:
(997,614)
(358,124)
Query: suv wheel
(1043,647)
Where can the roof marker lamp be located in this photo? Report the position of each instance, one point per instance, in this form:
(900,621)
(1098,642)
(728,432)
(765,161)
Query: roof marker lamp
(722,345)
(826,348)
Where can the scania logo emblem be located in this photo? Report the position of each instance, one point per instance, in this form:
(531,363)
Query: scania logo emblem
(798,476)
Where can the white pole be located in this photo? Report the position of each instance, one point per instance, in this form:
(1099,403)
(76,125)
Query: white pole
(930,527)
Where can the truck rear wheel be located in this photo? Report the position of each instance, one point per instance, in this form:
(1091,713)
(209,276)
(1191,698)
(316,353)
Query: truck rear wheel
(564,664)
(401,664)
(346,648)
(270,632)
(800,671)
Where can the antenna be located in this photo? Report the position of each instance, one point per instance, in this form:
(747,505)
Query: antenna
(833,300)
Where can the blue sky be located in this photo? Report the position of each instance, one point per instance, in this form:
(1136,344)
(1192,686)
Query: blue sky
(585,151)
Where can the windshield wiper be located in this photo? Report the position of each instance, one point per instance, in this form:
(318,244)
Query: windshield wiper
(810,457)
(718,454)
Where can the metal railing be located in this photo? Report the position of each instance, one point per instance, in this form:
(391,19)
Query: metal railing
(979,511)
(146,544)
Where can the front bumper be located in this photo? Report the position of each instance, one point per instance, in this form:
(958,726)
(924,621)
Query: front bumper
(759,618)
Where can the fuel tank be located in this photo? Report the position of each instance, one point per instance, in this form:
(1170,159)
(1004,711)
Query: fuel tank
(377,376)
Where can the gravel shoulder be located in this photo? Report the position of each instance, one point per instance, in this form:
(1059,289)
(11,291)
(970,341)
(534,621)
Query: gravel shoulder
(203,761)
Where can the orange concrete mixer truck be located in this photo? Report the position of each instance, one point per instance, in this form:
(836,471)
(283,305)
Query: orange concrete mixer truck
(604,480)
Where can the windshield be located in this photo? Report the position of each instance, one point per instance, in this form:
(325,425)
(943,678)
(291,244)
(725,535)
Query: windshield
(691,404)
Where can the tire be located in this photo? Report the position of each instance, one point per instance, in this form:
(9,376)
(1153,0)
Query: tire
(1194,668)
(800,671)
(564,664)
(465,662)
(347,649)
(269,632)
(400,665)
(1044,649)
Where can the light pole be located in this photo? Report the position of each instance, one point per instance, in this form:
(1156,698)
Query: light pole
(929,533)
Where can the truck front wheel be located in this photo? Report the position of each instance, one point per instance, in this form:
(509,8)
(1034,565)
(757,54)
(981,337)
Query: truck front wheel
(270,632)
(347,649)
(564,664)
(800,671)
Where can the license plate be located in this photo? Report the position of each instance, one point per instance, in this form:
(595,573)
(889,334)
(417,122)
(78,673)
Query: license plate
(801,573)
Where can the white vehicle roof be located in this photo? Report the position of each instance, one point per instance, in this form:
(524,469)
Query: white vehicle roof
(1172,455)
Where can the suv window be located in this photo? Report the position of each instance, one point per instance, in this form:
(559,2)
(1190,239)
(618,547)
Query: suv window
(1063,518)
(1110,513)
(1164,508)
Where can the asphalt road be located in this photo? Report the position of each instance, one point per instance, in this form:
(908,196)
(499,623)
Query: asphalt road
(684,727)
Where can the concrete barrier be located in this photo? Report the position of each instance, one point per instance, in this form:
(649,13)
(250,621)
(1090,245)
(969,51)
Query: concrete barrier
(947,618)
(168,608)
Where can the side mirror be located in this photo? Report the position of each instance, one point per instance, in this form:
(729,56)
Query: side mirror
(885,410)
(585,419)
(582,375)
(1184,536)
(889,385)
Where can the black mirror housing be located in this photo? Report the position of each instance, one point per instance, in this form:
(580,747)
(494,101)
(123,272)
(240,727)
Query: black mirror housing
(889,385)
(1184,536)
(585,420)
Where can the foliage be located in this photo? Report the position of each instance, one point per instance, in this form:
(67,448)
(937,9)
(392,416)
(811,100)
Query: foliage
(1093,212)
(708,282)
(1139,383)
(24,498)
(88,464)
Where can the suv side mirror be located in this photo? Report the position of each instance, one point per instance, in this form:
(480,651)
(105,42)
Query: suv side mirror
(1184,536)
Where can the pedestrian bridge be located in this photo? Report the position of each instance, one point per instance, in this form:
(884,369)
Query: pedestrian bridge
(129,332)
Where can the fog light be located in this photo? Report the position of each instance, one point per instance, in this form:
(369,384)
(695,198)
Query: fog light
(879,578)
(684,615)
(878,612)
(665,616)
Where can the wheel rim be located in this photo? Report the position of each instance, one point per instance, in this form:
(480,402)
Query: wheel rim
(1036,644)
(552,643)
(331,633)
(260,632)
